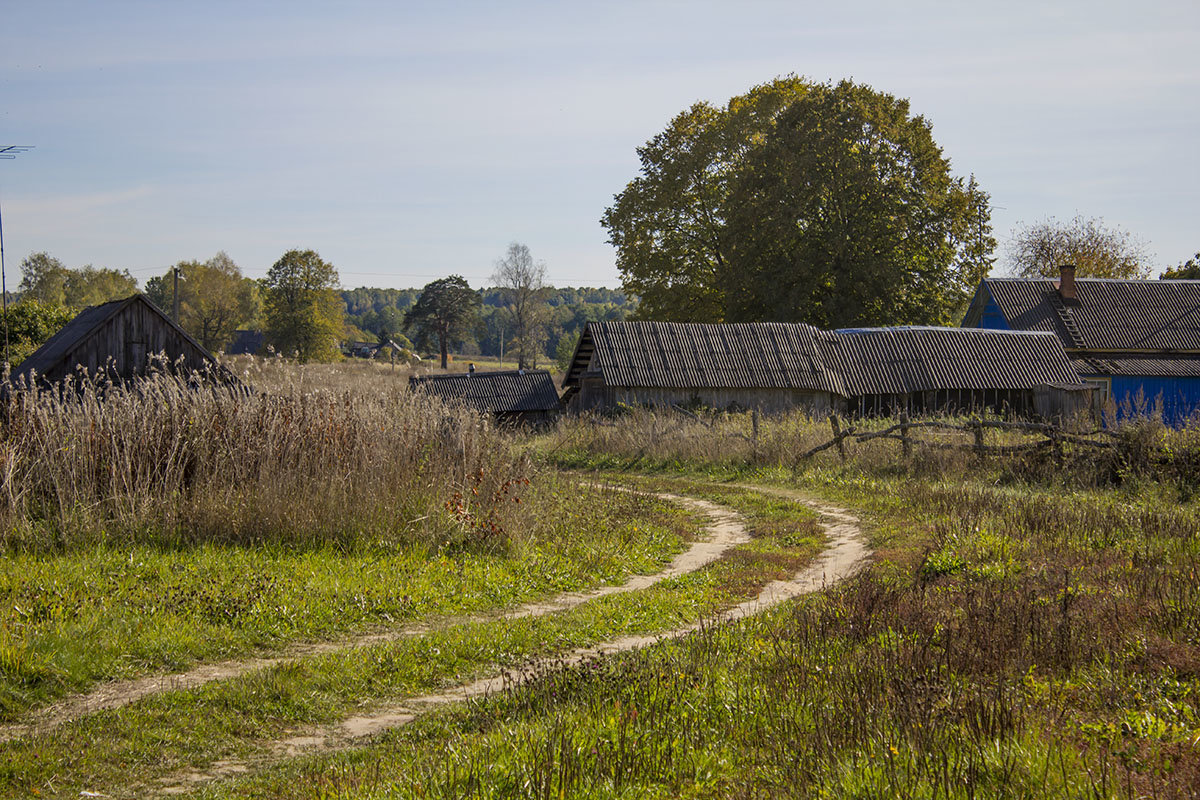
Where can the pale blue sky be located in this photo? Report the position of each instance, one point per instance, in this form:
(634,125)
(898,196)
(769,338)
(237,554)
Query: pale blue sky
(407,141)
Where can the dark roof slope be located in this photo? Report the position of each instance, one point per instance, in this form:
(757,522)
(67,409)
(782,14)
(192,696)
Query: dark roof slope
(912,359)
(509,391)
(1167,367)
(1109,315)
(686,355)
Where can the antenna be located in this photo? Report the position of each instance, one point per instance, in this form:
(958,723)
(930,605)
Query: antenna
(7,153)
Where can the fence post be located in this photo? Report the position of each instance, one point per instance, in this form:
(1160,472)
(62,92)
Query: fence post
(978,425)
(905,444)
(837,435)
(754,432)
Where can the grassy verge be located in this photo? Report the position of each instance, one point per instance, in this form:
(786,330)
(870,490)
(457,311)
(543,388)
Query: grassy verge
(1013,642)
(115,751)
(71,619)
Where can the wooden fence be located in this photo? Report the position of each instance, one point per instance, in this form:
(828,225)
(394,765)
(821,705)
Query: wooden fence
(1047,436)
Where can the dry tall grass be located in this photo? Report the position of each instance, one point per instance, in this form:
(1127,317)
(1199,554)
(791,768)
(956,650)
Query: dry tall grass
(664,437)
(167,462)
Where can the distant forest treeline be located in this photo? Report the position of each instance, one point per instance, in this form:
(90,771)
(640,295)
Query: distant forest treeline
(374,311)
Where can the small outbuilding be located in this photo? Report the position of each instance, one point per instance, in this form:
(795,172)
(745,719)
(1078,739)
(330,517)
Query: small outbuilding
(116,339)
(516,397)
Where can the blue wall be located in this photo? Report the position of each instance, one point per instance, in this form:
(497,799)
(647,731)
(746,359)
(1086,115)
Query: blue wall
(1180,397)
(992,319)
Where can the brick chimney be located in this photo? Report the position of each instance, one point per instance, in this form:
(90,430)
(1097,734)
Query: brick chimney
(1066,283)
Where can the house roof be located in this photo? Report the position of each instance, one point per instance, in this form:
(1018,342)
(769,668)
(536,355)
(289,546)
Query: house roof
(1119,364)
(58,348)
(508,391)
(688,355)
(909,359)
(1125,315)
(850,362)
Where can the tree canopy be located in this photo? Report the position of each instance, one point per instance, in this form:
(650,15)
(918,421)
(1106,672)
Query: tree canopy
(48,280)
(215,299)
(447,308)
(1096,250)
(821,203)
(303,309)
(30,323)
(1187,270)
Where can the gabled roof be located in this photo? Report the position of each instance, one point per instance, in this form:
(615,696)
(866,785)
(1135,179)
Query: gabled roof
(508,391)
(58,349)
(1116,315)
(910,359)
(690,355)
(850,362)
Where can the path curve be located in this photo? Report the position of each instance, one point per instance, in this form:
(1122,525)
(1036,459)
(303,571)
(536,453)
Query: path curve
(723,532)
(845,554)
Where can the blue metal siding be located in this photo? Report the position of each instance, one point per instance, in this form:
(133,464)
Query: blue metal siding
(1179,397)
(993,317)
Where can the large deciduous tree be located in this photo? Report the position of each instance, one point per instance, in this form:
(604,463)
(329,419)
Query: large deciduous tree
(303,308)
(446,308)
(1095,249)
(523,289)
(821,203)
(214,298)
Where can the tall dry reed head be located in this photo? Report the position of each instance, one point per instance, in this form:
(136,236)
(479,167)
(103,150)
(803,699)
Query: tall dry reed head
(168,461)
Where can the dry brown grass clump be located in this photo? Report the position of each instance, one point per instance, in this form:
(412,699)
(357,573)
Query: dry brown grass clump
(164,461)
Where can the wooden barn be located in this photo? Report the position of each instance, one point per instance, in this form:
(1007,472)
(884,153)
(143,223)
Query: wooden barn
(769,366)
(772,366)
(1136,341)
(116,339)
(515,397)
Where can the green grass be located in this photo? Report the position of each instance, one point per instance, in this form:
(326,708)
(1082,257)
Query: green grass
(169,732)
(71,619)
(1015,641)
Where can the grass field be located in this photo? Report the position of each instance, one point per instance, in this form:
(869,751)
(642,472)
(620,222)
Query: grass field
(1029,626)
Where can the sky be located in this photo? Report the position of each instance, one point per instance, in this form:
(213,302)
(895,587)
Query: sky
(406,141)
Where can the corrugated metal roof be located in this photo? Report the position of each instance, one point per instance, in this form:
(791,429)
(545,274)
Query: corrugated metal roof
(793,356)
(1109,315)
(1102,364)
(497,392)
(909,359)
(684,355)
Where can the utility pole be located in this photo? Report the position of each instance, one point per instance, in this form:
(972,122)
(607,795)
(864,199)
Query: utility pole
(7,152)
(175,303)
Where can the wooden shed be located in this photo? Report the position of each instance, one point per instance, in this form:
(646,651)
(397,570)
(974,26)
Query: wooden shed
(116,339)
(524,397)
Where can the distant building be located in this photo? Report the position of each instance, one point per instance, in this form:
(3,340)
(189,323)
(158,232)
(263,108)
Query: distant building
(116,339)
(246,343)
(1136,341)
(772,366)
(526,397)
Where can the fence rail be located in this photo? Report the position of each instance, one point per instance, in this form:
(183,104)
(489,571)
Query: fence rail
(1051,436)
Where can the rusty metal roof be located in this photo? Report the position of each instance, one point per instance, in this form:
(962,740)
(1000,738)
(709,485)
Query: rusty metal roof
(1137,315)
(850,362)
(507,391)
